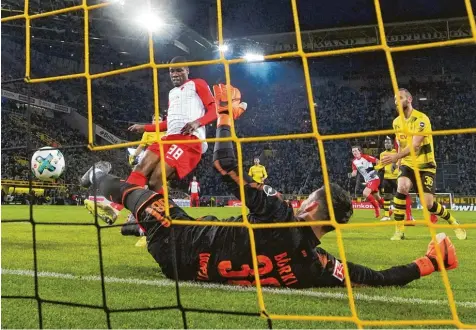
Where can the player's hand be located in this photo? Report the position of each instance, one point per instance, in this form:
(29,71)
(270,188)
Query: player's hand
(221,100)
(428,264)
(190,127)
(394,167)
(137,128)
(389,159)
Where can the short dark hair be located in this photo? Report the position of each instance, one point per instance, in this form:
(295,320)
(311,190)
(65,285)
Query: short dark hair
(341,201)
(357,147)
(406,92)
(178,59)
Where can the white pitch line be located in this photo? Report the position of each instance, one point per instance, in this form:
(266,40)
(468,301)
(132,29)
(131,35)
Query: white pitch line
(283,291)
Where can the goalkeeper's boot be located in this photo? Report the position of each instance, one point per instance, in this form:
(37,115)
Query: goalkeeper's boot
(398,236)
(104,211)
(428,264)
(99,168)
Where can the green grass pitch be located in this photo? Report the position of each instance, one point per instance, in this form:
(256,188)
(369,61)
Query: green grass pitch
(68,262)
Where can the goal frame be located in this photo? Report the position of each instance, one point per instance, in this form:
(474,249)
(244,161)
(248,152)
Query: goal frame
(450,196)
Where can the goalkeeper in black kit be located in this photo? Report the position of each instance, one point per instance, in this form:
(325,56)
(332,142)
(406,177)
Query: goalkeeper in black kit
(287,257)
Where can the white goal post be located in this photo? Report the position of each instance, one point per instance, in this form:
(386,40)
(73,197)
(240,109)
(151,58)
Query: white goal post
(446,199)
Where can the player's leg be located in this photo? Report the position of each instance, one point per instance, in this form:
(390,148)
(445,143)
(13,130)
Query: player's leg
(389,190)
(428,181)
(370,192)
(404,185)
(155,180)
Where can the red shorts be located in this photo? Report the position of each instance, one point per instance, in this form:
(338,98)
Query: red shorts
(194,196)
(182,157)
(373,185)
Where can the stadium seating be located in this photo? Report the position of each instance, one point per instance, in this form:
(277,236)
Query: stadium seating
(293,166)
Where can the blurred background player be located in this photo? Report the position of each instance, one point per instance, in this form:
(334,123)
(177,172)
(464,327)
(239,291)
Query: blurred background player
(148,138)
(389,188)
(365,165)
(258,172)
(194,191)
(419,124)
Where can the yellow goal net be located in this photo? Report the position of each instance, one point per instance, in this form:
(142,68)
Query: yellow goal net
(353,318)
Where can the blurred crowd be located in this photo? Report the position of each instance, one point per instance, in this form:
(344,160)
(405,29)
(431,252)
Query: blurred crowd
(343,105)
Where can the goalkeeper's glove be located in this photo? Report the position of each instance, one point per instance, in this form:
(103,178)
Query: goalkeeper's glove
(428,264)
(221,99)
(349,175)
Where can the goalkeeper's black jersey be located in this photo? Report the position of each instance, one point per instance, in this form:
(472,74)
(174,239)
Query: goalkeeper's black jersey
(286,256)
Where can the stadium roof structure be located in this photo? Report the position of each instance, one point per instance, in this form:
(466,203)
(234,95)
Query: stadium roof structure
(413,32)
(112,40)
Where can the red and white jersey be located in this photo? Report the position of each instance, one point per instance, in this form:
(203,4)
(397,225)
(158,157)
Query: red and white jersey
(365,166)
(194,187)
(186,104)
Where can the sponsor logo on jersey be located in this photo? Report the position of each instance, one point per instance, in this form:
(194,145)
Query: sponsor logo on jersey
(338,271)
(269,191)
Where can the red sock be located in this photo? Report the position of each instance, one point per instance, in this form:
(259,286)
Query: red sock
(372,200)
(381,201)
(117,206)
(137,178)
(408,210)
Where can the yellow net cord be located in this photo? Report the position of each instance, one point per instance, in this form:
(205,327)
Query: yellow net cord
(353,318)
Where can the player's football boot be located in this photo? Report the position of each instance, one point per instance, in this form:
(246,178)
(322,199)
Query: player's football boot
(459,232)
(105,212)
(386,219)
(398,236)
(142,242)
(87,178)
(428,264)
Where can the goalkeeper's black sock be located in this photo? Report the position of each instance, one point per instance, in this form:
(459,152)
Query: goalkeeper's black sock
(442,212)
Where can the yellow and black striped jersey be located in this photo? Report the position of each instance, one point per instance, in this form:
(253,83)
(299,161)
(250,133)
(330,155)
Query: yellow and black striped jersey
(258,173)
(388,173)
(419,124)
(150,137)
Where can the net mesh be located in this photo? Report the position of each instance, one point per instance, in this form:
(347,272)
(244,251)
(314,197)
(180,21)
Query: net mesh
(299,53)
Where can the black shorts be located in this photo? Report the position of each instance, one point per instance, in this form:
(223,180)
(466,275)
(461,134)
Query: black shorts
(389,186)
(427,179)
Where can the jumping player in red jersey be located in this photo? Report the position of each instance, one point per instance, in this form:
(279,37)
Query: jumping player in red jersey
(191,107)
(365,165)
(194,191)
(287,257)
